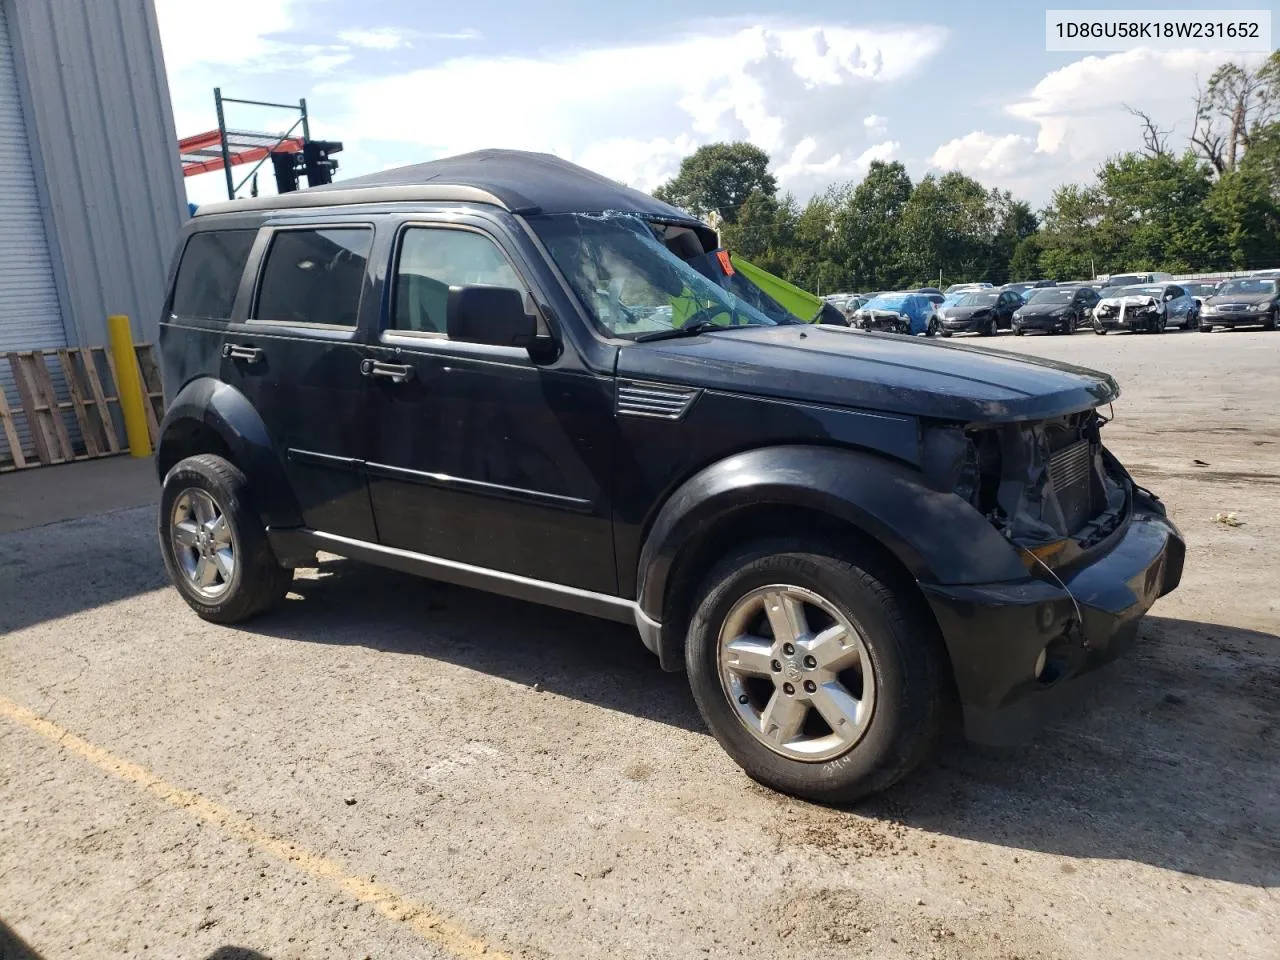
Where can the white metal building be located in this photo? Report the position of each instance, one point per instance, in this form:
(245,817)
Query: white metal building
(91,195)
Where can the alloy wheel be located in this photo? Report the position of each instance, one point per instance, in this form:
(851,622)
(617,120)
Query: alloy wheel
(203,543)
(797,673)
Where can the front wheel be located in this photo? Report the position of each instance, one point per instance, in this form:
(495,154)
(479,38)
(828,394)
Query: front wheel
(816,669)
(1100,330)
(1270,322)
(214,546)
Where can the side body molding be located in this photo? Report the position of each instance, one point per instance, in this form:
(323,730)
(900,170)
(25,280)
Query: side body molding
(213,405)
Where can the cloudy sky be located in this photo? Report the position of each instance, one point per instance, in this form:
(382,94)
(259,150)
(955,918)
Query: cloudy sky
(825,87)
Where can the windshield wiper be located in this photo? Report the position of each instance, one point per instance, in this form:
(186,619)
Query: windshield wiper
(689,330)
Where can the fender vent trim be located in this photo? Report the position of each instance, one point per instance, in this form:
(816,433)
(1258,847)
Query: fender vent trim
(662,401)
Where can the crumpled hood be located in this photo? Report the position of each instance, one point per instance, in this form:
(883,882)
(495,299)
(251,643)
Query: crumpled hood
(838,366)
(1136,300)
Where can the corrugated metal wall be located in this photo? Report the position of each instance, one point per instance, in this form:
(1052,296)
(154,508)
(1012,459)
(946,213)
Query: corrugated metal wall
(101,131)
(30,315)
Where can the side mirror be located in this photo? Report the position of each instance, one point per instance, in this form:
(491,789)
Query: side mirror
(490,315)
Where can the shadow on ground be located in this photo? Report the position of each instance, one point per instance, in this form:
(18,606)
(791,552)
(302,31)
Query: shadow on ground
(66,568)
(13,947)
(1174,762)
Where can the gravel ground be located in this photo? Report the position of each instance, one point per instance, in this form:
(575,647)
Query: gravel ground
(391,767)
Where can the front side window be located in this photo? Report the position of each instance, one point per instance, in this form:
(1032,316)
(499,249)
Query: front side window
(630,283)
(209,274)
(315,276)
(433,259)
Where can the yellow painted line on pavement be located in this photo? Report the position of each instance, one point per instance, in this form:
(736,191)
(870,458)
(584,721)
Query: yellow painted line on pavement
(418,917)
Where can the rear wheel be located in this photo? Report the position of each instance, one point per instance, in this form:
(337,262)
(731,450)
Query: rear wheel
(214,546)
(816,669)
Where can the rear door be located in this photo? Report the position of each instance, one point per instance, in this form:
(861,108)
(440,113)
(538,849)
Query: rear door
(295,352)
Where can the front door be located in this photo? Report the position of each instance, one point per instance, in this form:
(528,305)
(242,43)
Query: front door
(481,455)
(297,358)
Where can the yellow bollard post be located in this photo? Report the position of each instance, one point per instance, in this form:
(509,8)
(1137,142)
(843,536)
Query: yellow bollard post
(129,385)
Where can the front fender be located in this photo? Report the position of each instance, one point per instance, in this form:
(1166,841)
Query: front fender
(937,536)
(214,406)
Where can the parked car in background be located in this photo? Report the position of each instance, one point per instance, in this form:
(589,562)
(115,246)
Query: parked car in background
(1248,301)
(1134,279)
(1022,286)
(1200,290)
(906,312)
(966,287)
(983,312)
(1147,308)
(1055,310)
(1273,274)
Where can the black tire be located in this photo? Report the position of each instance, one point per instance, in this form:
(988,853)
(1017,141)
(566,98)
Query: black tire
(257,581)
(944,332)
(1270,322)
(1100,331)
(1018,331)
(913,689)
(1206,327)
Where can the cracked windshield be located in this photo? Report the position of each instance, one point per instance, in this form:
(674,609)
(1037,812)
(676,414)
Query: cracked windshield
(625,273)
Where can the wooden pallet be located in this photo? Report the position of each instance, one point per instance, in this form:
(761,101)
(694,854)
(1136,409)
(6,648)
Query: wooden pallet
(90,377)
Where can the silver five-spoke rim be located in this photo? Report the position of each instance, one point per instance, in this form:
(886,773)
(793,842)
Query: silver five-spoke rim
(797,672)
(202,542)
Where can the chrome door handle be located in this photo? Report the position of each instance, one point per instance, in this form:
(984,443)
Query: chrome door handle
(236,351)
(395,372)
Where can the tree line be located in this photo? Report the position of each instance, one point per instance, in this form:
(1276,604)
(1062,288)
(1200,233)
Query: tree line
(1212,206)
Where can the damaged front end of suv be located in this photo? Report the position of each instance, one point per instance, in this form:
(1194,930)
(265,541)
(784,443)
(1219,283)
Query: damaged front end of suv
(1098,550)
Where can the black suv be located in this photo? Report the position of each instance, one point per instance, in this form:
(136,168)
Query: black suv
(503,371)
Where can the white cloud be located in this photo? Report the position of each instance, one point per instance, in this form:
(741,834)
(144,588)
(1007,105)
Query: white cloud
(1077,116)
(469,33)
(396,38)
(794,91)
(875,124)
(376,38)
(982,153)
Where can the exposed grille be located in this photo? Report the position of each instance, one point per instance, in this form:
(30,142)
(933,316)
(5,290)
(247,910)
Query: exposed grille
(1233,307)
(1071,470)
(659,400)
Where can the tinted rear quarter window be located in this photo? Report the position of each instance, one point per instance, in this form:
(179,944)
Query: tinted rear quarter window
(315,276)
(209,273)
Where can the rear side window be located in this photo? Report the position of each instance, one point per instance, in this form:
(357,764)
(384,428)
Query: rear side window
(315,276)
(209,273)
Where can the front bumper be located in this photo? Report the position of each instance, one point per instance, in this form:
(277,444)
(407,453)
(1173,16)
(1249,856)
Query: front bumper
(967,325)
(1042,321)
(1232,319)
(1144,321)
(996,632)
